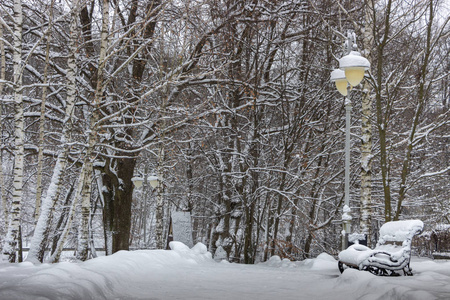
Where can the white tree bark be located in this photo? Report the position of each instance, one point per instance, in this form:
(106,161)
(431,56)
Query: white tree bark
(83,232)
(159,216)
(366,129)
(10,242)
(2,78)
(41,232)
(42,120)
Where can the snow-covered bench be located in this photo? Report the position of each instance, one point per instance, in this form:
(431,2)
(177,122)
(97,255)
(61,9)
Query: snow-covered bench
(392,253)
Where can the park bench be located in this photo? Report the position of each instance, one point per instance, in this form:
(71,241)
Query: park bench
(392,254)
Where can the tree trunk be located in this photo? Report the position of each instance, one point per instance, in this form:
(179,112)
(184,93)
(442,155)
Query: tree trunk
(3,198)
(42,229)
(117,194)
(40,161)
(83,228)
(277,216)
(159,219)
(122,205)
(366,131)
(248,246)
(107,189)
(381,119)
(159,230)
(62,220)
(118,187)
(56,254)
(10,241)
(84,193)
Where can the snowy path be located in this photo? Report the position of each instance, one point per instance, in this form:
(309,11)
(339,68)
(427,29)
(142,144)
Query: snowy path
(191,274)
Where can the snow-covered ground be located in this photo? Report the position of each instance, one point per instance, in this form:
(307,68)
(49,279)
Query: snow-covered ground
(184,273)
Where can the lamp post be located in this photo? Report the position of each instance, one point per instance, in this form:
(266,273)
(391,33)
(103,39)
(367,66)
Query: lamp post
(350,73)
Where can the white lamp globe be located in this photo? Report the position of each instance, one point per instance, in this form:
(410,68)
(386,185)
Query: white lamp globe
(354,66)
(153,180)
(338,76)
(137,181)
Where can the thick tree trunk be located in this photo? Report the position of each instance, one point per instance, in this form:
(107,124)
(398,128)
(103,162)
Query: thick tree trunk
(116,178)
(122,205)
(10,241)
(117,197)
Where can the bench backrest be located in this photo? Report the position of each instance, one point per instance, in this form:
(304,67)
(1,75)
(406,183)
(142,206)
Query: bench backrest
(400,231)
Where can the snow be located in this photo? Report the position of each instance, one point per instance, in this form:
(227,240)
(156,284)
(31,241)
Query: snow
(354,59)
(46,209)
(356,237)
(400,230)
(337,74)
(346,216)
(184,273)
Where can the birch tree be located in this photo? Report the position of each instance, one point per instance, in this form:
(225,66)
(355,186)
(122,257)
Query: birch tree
(43,226)
(2,85)
(366,132)
(230,102)
(87,170)
(12,236)
(42,117)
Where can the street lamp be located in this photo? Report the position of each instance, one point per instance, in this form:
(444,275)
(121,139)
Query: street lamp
(350,73)
(153,180)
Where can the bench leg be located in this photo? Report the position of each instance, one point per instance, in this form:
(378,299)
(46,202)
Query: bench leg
(342,266)
(407,270)
(380,271)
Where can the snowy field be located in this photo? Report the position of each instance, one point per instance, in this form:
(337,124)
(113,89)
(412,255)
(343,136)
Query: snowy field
(184,273)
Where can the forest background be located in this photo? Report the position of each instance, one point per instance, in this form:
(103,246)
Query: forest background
(229,104)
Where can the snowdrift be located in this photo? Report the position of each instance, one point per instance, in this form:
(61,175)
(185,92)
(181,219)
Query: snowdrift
(184,273)
(98,278)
